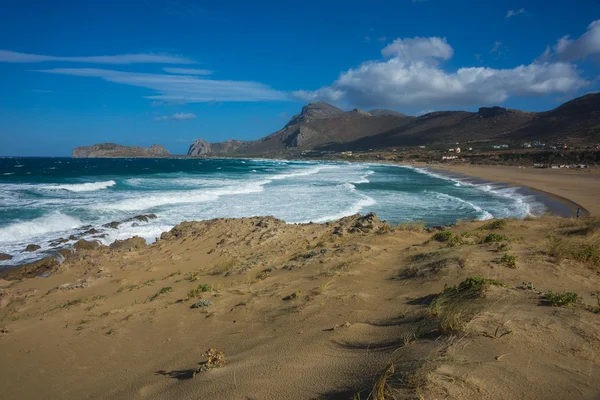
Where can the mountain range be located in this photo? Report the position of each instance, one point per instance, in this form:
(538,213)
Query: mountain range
(321,126)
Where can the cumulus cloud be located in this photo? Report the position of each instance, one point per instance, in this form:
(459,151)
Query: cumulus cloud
(14,57)
(419,49)
(512,13)
(176,117)
(180,88)
(408,79)
(567,49)
(188,71)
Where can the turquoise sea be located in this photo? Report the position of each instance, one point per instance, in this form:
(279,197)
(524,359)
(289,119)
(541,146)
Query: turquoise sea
(43,199)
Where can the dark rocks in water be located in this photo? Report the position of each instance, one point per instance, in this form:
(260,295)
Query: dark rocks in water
(91,232)
(43,266)
(4,257)
(58,242)
(141,218)
(72,237)
(86,245)
(31,247)
(64,253)
(133,243)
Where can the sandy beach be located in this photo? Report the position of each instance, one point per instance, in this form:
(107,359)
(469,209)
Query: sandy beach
(311,311)
(580,187)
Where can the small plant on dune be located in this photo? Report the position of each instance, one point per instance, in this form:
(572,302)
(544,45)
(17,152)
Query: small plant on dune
(293,296)
(412,226)
(192,276)
(494,237)
(442,236)
(509,260)
(448,237)
(560,299)
(222,267)
(454,306)
(202,288)
(161,292)
(215,359)
(495,224)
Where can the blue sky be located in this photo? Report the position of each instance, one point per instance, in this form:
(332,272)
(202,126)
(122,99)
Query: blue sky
(139,72)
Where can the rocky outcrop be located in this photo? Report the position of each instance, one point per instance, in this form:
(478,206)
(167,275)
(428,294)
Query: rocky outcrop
(43,266)
(31,247)
(4,257)
(134,243)
(113,150)
(199,148)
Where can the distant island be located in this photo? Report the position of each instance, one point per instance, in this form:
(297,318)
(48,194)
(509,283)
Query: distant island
(113,150)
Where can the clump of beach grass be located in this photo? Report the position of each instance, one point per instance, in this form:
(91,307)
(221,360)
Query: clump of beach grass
(509,260)
(455,305)
(560,299)
(198,290)
(162,291)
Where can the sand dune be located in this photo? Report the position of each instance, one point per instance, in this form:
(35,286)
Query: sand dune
(310,311)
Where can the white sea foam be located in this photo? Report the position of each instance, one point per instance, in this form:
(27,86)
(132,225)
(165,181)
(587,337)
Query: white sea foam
(8,173)
(79,187)
(483,214)
(364,201)
(28,230)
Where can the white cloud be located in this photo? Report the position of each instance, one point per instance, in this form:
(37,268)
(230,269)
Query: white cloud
(567,49)
(181,88)
(496,47)
(176,117)
(188,71)
(182,116)
(14,57)
(512,13)
(410,80)
(419,49)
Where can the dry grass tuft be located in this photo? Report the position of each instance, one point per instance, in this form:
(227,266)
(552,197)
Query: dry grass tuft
(215,359)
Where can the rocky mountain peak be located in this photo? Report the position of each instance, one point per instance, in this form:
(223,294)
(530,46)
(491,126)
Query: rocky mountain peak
(495,111)
(316,110)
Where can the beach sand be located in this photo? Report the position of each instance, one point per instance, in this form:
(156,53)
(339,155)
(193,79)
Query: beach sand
(577,188)
(311,311)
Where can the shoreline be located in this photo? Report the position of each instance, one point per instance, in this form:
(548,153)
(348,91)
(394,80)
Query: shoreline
(575,189)
(553,203)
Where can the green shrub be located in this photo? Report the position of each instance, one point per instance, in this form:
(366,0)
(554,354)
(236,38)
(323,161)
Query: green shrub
(442,236)
(560,299)
(495,224)
(494,237)
(160,292)
(509,260)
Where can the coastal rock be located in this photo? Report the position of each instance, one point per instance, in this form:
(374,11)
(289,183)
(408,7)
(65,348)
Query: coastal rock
(4,257)
(83,244)
(134,243)
(361,224)
(31,247)
(58,242)
(199,148)
(45,265)
(113,150)
(140,218)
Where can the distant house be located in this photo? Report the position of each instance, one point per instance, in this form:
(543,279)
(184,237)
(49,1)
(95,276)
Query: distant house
(449,158)
(457,150)
(421,147)
(450,150)
(526,145)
